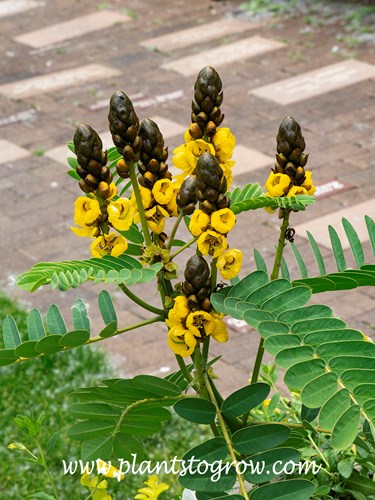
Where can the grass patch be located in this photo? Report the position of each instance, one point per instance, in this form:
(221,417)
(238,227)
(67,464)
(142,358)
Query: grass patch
(43,386)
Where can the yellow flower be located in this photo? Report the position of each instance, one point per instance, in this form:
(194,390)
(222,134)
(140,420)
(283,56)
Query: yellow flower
(86,211)
(180,311)
(97,489)
(186,156)
(162,191)
(120,213)
(109,244)
(296,190)
(223,220)
(90,231)
(198,321)
(171,206)
(229,263)
(199,222)
(227,166)
(112,191)
(212,243)
(146,196)
(108,470)
(156,218)
(277,184)
(308,183)
(224,142)
(181,341)
(153,489)
(220,332)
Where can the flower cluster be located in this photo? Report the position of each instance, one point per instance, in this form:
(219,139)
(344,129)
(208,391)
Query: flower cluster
(158,192)
(152,490)
(187,327)
(289,177)
(96,485)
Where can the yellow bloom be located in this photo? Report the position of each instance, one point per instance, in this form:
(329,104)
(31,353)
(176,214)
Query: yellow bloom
(146,196)
(112,191)
(212,243)
(308,183)
(220,332)
(227,166)
(199,222)
(180,311)
(120,213)
(153,489)
(296,190)
(171,206)
(181,341)
(223,220)
(277,184)
(186,156)
(198,321)
(108,470)
(229,263)
(156,218)
(162,191)
(86,211)
(109,244)
(224,142)
(90,231)
(97,489)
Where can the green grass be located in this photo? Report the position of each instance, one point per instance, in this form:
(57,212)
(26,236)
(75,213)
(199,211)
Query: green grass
(42,386)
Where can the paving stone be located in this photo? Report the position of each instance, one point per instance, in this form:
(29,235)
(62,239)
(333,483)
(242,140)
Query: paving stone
(248,159)
(317,82)
(355,214)
(197,34)
(55,81)
(225,54)
(76,27)
(11,7)
(11,152)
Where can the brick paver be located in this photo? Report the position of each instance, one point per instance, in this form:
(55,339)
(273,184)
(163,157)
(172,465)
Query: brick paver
(45,93)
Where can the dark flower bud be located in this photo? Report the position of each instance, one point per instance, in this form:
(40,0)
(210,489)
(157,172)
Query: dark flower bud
(91,181)
(188,193)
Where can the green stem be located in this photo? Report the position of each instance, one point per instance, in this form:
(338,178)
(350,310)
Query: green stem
(184,247)
(174,230)
(45,467)
(185,371)
(140,302)
(138,198)
(226,437)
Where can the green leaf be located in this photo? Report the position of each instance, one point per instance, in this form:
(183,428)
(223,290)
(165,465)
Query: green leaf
(354,242)
(75,338)
(271,289)
(317,392)
(270,328)
(55,322)
(300,263)
(361,484)
(259,438)
(159,387)
(27,349)
(90,429)
(11,335)
(295,297)
(95,411)
(260,262)
(99,447)
(80,316)
(369,408)
(303,313)
(317,254)
(7,357)
(200,411)
(133,234)
(299,375)
(35,327)
(278,343)
(333,408)
(248,285)
(290,356)
(298,489)
(346,428)
(49,344)
(338,252)
(109,330)
(370,224)
(106,308)
(364,392)
(246,398)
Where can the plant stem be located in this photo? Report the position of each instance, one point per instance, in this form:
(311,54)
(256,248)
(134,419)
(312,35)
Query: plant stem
(140,302)
(45,467)
(174,230)
(226,437)
(185,371)
(274,276)
(184,247)
(138,198)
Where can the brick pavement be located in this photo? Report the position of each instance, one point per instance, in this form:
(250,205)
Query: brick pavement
(45,93)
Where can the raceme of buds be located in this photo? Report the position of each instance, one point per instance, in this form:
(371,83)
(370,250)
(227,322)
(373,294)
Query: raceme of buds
(197,284)
(212,184)
(187,196)
(123,124)
(208,95)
